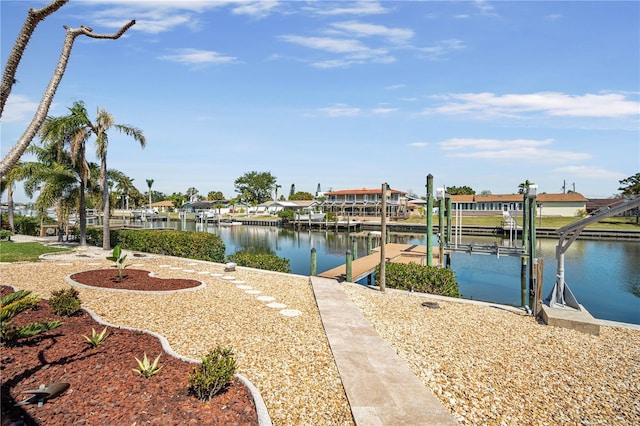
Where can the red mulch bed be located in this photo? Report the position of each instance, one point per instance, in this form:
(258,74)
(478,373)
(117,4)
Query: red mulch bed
(104,390)
(132,279)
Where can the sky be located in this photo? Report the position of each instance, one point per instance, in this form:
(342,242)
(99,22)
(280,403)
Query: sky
(348,95)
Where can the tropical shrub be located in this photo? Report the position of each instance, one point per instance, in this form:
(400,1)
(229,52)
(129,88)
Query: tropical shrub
(213,374)
(10,306)
(65,302)
(118,258)
(26,225)
(190,245)
(5,234)
(257,260)
(423,279)
(286,215)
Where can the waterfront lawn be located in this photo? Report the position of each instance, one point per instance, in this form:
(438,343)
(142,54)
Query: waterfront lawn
(24,252)
(616,223)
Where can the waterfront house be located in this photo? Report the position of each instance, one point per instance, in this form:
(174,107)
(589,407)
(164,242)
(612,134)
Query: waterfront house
(365,202)
(570,204)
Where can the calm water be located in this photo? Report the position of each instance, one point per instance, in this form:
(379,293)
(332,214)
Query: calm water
(603,275)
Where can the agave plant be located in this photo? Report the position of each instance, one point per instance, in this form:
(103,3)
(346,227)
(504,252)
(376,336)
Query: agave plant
(146,367)
(96,338)
(10,306)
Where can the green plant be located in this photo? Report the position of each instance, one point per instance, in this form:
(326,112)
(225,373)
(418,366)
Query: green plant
(423,279)
(213,374)
(96,338)
(10,306)
(286,215)
(119,258)
(5,234)
(260,260)
(25,252)
(65,302)
(146,368)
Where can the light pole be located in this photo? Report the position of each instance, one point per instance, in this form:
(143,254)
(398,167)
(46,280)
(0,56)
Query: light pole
(383,235)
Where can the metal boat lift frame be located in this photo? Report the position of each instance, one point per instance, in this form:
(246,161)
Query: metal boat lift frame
(561,296)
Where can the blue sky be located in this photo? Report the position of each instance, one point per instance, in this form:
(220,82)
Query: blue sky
(349,94)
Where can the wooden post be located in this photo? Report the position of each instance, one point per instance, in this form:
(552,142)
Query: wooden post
(349,266)
(441,232)
(523,281)
(354,244)
(539,278)
(313,262)
(448,234)
(383,237)
(532,250)
(429,213)
(369,243)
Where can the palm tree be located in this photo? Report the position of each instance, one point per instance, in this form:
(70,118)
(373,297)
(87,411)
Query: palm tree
(59,179)
(75,130)
(17,173)
(524,186)
(149,184)
(104,122)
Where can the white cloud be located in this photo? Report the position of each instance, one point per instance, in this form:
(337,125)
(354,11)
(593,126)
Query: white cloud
(258,9)
(395,86)
(357,8)
(353,50)
(419,144)
(340,110)
(384,110)
(513,149)
(197,57)
(395,35)
(590,172)
(18,108)
(549,103)
(441,48)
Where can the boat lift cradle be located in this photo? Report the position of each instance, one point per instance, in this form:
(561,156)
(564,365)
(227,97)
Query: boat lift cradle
(561,296)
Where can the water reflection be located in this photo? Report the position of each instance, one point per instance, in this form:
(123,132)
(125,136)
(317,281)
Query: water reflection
(603,275)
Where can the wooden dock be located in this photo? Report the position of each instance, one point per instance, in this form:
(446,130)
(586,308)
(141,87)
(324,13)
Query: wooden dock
(395,253)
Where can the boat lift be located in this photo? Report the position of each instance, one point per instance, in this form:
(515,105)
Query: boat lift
(561,296)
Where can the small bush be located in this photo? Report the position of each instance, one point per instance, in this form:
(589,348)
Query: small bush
(26,225)
(286,215)
(423,279)
(257,260)
(5,234)
(65,302)
(215,372)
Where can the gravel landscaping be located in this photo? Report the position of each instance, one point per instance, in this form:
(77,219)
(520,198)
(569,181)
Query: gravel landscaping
(487,365)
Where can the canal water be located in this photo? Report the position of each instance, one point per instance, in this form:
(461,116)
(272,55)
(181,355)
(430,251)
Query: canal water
(603,275)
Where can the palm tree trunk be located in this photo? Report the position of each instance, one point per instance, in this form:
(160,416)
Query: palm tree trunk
(106,236)
(34,17)
(18,149)
(10,206)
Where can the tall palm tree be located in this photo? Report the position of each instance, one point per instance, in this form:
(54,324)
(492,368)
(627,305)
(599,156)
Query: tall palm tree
(17,173)
(104,122)
(75,130)
(149,184)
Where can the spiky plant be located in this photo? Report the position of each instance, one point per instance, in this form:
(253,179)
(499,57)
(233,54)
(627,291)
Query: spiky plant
(10,306)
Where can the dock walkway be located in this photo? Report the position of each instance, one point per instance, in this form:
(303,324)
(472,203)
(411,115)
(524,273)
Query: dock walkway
(397,253)
(380,387)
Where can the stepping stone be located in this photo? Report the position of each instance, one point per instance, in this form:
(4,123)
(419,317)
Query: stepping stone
(188,270)
(266,298)
(290,312)
(238,282)
(252,291)
(203,272)
(175,268)
(216,275)
(276,305)
(228,277)
(165,266)
(244,287)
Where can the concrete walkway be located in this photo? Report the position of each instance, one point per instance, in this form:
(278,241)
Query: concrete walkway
(380,387)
